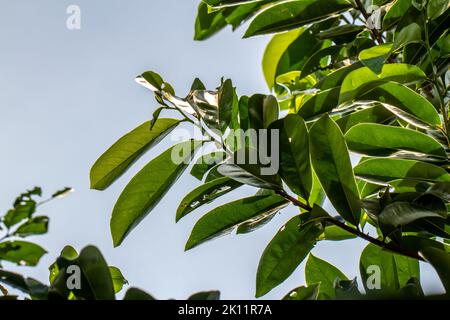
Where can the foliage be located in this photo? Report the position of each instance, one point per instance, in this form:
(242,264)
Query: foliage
(343,81)
(98,281)
(23,221)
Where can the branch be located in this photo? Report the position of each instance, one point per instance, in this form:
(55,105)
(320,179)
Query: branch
(388,246)
(376,35)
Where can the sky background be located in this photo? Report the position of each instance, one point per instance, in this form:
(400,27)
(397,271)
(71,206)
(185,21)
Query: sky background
(67,95)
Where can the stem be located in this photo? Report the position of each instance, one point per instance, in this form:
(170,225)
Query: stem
(375,34)
(388,246)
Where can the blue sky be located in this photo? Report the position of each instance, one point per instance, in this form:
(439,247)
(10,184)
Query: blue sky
(68,95)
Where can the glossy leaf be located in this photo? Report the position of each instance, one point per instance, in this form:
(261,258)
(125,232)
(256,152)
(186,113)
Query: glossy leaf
(364,79)
(295,164)
(385,170)
(205,194)
(208,23)
(310,292)
(147,188)
(120,156)
(378,140)
(293,14)
(331,161)
(222,220)
(404,98)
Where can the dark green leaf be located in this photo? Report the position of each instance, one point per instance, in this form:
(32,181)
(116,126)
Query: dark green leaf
(285,252)
(208,23)
(295,165)
(331,161)
(207,162)
(136,294)
(440,260)
(205,296)
(224,219)
(205,194)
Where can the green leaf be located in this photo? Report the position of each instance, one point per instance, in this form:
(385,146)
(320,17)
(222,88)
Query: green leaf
(364,79)
(336,78)
(377,113)
(293,14)
(304,293)
(440,260)
(148,187)
(206,162)
(393,270)
(117,278)
(250,174)
(405,99)
(33,288)
(295,164)
(396,12)
(379,140)
(273,53)
(222,220)
(21,253)
(401,213)
(323,101)
(262,111)
(128,149)
(205,296)
(208,23)
(97,273)
(135,294)
(320,271)
(331,161)
(436,8)
(314,63)
(375,57)
(385,170)
(23,209)
(285,252)
(34,226)
(204,194)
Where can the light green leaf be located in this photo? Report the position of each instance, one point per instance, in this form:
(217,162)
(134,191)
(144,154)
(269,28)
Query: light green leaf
(375,57)
(364,79)
(21,253)
(323,101)
(222,220)
(385,170)
(273,53)
(379,140)
(120,156)
(117,278)
(331,162)
(147,188)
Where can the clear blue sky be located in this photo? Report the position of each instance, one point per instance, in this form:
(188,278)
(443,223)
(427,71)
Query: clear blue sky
(67,95)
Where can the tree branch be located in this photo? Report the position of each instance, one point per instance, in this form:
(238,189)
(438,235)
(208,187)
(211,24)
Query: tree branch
(388,246)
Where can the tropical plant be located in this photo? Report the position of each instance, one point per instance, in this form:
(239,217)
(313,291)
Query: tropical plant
(367,78)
